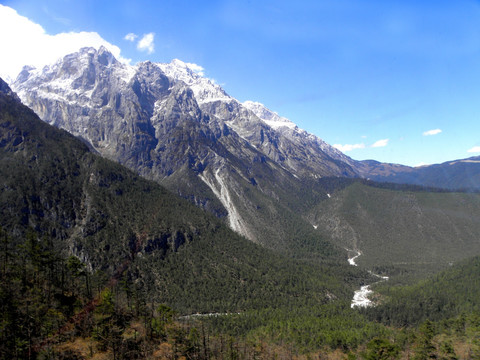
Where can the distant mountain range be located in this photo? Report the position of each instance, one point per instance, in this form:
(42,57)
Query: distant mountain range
(461,174)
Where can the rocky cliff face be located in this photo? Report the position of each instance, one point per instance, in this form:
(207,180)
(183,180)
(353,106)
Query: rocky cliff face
(172,125)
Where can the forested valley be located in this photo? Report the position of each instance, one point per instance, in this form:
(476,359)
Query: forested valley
(52,307)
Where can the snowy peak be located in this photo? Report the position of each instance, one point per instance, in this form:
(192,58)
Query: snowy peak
(75,77)
(271,118)
(94,83)
(205,90)
(180,70)
(169,123)
(311,143)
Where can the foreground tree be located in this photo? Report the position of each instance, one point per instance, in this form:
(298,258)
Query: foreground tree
(381,349)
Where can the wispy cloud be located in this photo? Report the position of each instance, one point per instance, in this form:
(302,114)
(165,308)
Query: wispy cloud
(475,149)
(432,132)
(196,68)
(130,37)
(146,43)
(380,143)
(348,147)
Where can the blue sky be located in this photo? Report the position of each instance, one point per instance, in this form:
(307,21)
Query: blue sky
(394,81)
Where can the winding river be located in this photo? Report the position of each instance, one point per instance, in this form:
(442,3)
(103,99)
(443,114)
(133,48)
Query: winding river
(361,297)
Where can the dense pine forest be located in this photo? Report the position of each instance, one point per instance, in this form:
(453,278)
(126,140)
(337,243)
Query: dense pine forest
(52,307)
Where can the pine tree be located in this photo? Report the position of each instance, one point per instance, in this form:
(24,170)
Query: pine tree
(425,349)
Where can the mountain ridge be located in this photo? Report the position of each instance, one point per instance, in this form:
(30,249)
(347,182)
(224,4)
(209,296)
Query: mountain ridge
(213,100)
(461,174)
(180,129)
(160,127)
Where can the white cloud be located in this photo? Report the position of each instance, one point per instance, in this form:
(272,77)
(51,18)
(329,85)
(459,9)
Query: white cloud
(348,147)
(146,43)
(380,143)
(196,68)
(130,37)
(475,149)
(27,43)
(432,132)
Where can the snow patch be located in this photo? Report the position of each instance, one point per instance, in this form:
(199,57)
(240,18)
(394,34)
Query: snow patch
(269,117)
(126,73)
(277,124)
(464,161)
(241,132)
(204,89)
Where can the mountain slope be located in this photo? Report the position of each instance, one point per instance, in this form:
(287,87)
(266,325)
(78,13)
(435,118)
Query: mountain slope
(169,124)
(453,292)
(120,224)
(400,232)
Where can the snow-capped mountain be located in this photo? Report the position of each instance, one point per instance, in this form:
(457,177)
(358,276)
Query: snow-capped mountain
(269,117)
(205,90)
(172,125)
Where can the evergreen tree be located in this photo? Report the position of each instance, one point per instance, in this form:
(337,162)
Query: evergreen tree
(424,347)
(381,349)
